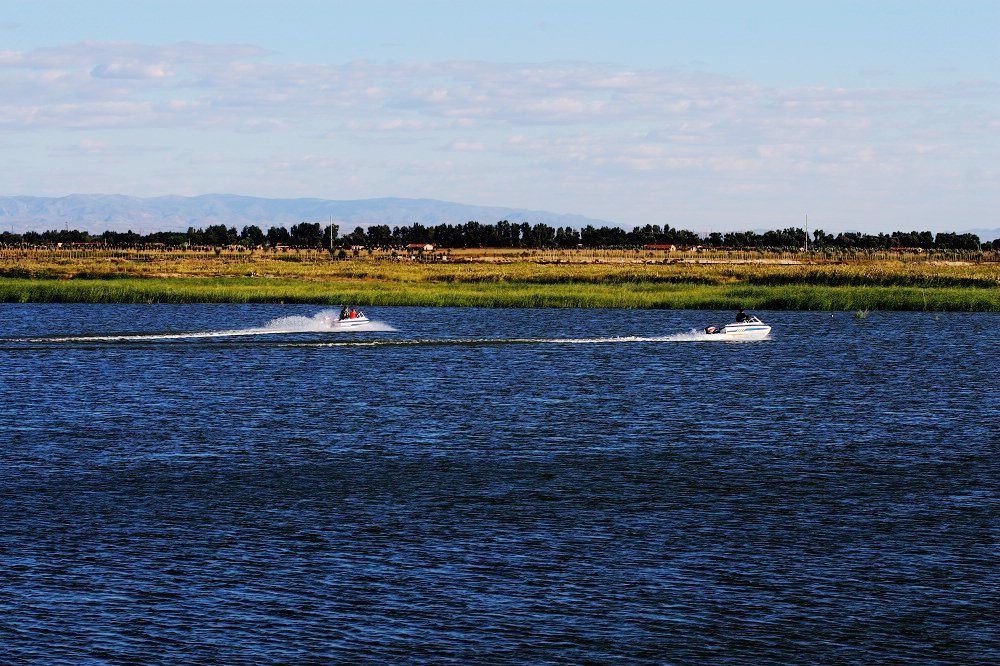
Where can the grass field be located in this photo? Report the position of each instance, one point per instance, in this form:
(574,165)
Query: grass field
(622,279)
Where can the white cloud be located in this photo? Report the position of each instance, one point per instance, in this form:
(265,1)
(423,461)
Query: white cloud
(90,148)
(468,146)
(132,70)
(584,129)
(194,85)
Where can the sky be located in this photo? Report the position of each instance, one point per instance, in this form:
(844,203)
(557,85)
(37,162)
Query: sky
(703,115)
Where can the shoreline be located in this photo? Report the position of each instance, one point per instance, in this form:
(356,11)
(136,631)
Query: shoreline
(628,295)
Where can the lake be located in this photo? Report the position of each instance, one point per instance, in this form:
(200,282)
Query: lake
(229,483)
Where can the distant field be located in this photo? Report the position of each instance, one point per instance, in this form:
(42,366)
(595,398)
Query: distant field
(505,278)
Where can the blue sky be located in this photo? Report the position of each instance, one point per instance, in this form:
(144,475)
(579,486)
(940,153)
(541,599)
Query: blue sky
(869,116)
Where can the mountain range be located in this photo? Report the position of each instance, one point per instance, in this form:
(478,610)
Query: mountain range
(984,234)
(105,212)
(115,212)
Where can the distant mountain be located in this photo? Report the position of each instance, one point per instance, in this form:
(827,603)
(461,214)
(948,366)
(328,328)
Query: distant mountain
(100,212)
(984,234)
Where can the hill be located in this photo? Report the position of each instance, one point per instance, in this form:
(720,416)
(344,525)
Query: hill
(100,212)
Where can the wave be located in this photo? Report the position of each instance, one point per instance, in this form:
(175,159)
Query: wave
(321,322)
(691,336)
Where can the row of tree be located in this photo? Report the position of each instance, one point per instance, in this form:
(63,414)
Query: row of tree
(504,234)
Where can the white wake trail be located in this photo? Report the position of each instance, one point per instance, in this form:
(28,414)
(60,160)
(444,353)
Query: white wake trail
(694,335)
(321,322)
(325,321)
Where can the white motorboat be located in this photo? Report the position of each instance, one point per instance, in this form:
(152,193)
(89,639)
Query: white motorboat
(750,328)
(349,319)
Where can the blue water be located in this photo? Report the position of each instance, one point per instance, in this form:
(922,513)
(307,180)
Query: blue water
(178,485)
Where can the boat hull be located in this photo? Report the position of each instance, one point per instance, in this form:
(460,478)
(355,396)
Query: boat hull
(335,322)
(351,323)
(744,332)
(752,329)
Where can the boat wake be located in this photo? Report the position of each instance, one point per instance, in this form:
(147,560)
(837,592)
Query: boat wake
(324,322)
(692,336)
(318,323)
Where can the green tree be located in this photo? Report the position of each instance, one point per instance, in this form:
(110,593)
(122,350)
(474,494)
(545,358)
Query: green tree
(278,236)
(378,235)
(252,236)
(330,234)
(219,235)
(307,234)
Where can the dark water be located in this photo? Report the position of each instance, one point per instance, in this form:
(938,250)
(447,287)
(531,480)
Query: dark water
(830,495)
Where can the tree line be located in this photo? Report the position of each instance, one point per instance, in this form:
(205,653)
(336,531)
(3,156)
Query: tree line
(503,234)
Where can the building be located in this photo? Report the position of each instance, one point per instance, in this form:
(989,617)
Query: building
(421,247)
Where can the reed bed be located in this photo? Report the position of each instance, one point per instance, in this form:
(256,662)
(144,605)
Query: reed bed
(634,295)
(183,277)
(319,267)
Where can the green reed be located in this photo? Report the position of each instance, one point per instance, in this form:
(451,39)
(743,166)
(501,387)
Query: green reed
(313,277)
(375,292)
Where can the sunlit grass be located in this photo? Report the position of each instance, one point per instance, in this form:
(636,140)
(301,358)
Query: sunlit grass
(178,277)
(507,294)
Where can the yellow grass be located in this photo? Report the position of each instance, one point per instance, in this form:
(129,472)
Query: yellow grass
(507,278)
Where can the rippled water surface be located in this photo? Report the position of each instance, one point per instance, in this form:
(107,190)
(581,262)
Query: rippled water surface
(236,484)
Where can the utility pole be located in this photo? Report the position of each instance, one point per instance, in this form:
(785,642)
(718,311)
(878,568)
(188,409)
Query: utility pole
(807,232)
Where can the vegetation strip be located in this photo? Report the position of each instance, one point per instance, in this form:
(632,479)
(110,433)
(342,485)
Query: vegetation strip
(500,294)
(173,277)
(503,234)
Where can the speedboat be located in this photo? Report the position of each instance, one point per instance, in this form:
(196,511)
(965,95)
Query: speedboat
(358,320)
(750,328)
(352,319)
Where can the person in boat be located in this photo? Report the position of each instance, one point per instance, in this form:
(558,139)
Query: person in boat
(345,312)
(354,314)
(741,316)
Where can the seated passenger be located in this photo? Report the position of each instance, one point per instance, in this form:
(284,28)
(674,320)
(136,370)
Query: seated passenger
(741,316)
